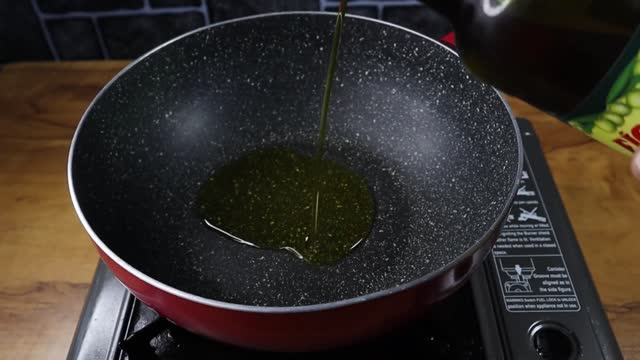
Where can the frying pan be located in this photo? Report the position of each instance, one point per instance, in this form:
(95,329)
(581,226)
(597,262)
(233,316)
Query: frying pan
(440,151)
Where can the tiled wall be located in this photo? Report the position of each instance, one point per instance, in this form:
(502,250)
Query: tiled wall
(125,29)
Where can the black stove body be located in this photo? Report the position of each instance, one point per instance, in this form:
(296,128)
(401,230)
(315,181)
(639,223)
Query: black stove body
(533,298)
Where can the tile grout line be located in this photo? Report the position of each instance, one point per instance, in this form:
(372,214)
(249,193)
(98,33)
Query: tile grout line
(121,12)
(94,15)
(393,3)
(204,7)
(379,5)
(45,31)
(103,46)
(148,10)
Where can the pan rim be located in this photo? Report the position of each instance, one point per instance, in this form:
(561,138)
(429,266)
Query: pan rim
(469,252)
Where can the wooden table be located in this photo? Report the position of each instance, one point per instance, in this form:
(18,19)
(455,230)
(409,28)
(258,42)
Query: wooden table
(47,260)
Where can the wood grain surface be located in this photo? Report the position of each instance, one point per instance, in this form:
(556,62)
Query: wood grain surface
(47,260)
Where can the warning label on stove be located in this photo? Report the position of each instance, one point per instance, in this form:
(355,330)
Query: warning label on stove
(529,263)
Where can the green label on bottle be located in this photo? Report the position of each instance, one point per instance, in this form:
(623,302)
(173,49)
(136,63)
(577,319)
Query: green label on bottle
(611,113)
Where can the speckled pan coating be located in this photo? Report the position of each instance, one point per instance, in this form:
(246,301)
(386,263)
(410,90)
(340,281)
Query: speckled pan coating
(439,149)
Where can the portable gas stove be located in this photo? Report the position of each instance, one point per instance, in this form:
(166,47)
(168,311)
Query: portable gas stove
(532,299)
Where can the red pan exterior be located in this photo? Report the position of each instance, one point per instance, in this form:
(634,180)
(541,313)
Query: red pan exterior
(289,329)
(303,331)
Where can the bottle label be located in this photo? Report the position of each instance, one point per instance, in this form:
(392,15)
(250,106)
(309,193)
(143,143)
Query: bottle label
(611,113)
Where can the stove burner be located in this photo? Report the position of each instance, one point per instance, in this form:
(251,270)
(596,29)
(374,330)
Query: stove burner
(138,344)
(506,311)
(438,334)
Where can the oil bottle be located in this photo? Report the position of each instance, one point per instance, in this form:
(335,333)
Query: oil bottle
(577,60)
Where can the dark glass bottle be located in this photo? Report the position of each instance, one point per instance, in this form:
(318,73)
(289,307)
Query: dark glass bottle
(553,54)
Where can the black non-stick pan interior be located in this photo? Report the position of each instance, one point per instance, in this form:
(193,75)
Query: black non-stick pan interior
(438,148)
